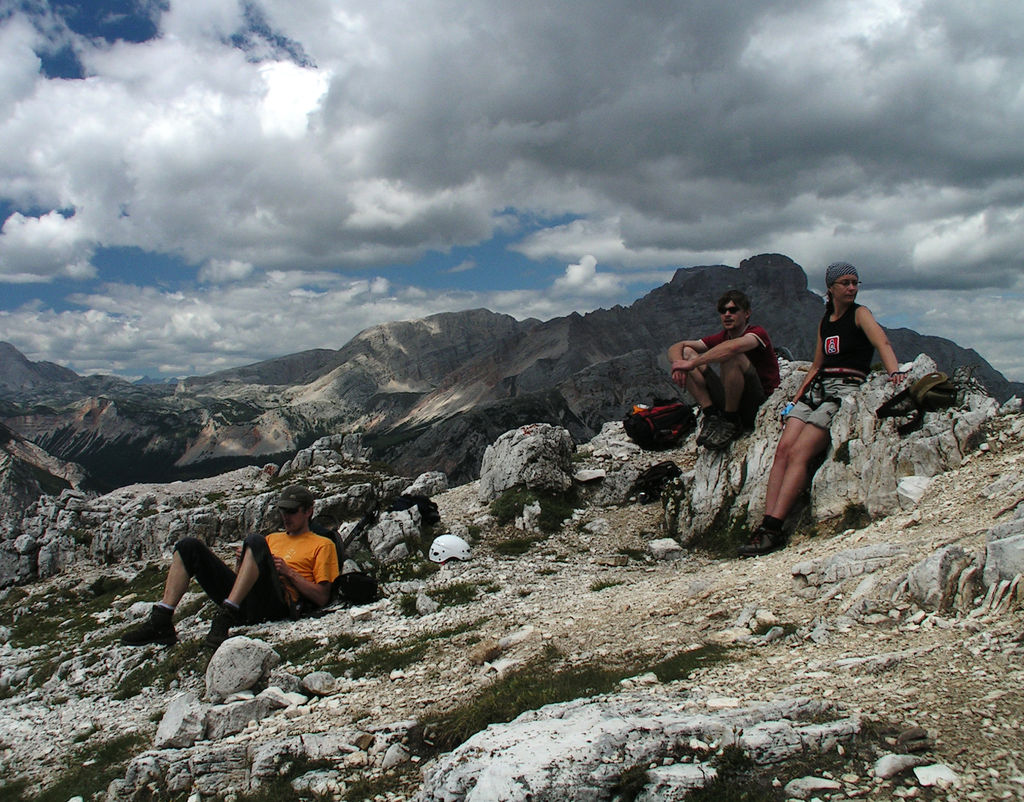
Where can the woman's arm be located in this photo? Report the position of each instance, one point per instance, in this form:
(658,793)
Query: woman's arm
(876,334)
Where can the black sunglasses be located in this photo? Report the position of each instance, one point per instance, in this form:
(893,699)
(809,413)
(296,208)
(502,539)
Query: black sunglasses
(728,310)
(288,510)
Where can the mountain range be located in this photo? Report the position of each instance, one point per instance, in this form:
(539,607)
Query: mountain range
(428,394)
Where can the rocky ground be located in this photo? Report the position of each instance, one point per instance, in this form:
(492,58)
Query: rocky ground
(593,593)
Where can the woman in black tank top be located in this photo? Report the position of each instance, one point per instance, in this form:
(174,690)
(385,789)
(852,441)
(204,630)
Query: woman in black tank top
(847,337)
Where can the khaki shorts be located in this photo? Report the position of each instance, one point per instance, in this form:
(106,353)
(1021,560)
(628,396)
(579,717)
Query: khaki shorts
(821,415)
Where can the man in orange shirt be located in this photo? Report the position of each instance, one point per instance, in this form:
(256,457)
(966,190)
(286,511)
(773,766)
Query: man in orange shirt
(278,576)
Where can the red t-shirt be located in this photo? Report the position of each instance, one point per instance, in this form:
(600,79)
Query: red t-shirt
(763,358)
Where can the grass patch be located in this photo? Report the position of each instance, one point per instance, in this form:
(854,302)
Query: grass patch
(680,666)
(543,681)
(462,592)
(630,783)
(515,546)
(355,656)
(411,568)
(447,596)
(379,660)
(407,604)
(62,620)
(532,686)
(398,781)
(554,507)
(174,663)
(90,770)
(276,788)
(312,652)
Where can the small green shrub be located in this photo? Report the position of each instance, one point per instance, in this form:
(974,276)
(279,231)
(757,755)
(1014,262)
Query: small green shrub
(407,604)
(396,782)
(630,783)
(509,505)
(515,546)
(554,507)
(411,568)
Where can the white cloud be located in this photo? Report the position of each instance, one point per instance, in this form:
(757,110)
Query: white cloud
(326,136)
(218,271)
(582,279)
(292,95)
(42,248)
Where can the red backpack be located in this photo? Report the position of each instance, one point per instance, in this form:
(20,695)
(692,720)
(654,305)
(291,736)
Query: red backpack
(660,425)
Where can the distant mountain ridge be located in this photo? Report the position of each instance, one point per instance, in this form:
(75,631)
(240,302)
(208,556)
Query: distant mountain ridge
(430,394)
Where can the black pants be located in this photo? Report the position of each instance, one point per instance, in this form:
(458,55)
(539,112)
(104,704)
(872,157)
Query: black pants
(266,601)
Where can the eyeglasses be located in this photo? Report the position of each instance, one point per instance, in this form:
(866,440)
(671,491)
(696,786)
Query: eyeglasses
(852,282)
(729,310)
(286,511)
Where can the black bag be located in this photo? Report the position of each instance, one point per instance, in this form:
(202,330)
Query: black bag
(429,514)
(930,393)
(354,587)
(357,587)
(652,481)
(660,425)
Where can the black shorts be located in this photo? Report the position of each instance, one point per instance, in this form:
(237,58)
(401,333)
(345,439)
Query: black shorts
(267,601)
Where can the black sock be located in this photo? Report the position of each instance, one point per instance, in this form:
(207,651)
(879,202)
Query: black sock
(732,417)
(772,524)
(708,410)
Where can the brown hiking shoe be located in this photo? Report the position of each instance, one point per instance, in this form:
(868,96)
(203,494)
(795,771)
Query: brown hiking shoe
(711,420)
(763,541)
(723,433)
(157,629)
(220,629)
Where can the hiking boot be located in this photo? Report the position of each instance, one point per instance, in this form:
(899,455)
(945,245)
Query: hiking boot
(157,629)
(763,541)
(723,433)
(711,421)
(220,629)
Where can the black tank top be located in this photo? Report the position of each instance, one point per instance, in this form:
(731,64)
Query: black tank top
(845,345)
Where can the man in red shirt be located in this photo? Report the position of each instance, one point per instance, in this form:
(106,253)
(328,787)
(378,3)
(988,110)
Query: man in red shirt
(748,372)
(277,577)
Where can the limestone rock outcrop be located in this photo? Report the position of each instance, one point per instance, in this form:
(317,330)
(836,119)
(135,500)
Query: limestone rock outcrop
(860,473)
(537,456)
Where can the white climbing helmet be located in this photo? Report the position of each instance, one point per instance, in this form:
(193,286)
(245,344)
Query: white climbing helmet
(448,547)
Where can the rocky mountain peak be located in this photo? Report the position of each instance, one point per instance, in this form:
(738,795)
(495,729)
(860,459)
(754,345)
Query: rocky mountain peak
(18,374)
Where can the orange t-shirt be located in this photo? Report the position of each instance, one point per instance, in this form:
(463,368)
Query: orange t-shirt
(311,556)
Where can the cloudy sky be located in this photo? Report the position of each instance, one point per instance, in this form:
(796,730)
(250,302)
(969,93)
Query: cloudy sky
(188,185)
